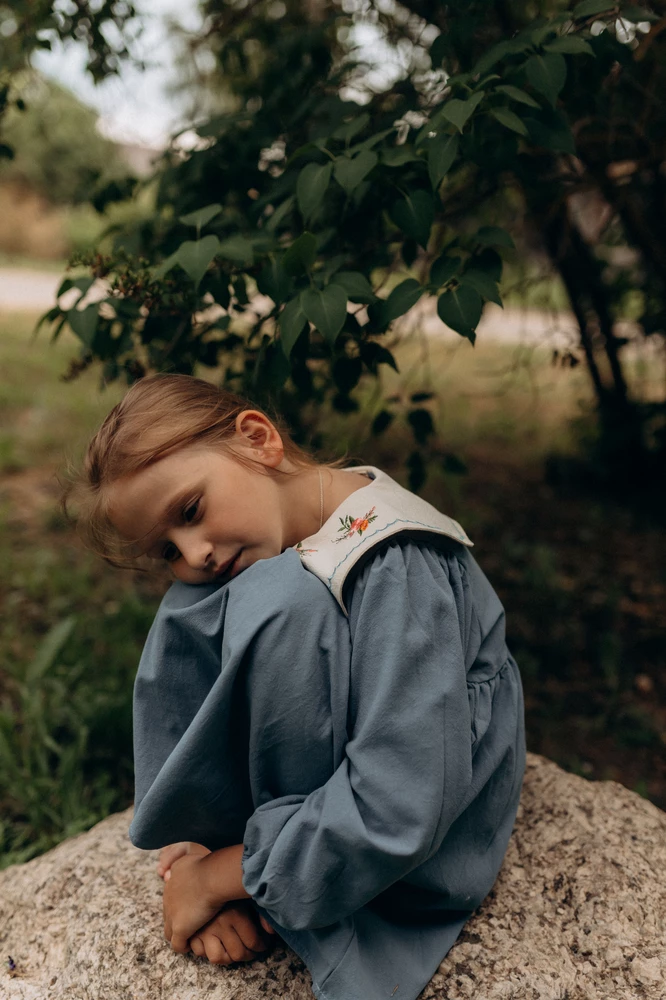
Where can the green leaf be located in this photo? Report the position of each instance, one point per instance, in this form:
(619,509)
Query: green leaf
(460,308)
(635,14)
(373,355)
(82,284)
(570,45)
(237,248)
(301,254)
(83,322)
(414,215)
(397,156)
(491,57)
(420,420)
(488,261)
(48,650)
(201,217)
(540,30)
(316,146)
(160,270)
(442,152)
(311,186)
(326,308)
(590,7)
(371,141)
(418,472)
(551,130)
(443,269)
(516,94)
(352,128)
(274,281)
(283,209)
(452,463)
(291,321)
(547,73)
(493,236)
(383,420)
(194,256)
(482,283)
(458,112)
(350,172)
(356,285)
(272,369)
(346,373)
(402,298)
(509,119)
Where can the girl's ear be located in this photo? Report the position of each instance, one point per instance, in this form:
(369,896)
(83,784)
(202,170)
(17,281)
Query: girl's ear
(255,432)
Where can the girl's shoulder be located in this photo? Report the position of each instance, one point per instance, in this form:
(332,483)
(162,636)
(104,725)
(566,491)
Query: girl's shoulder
(277,586)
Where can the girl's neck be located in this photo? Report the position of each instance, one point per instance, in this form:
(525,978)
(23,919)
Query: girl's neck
(301,499)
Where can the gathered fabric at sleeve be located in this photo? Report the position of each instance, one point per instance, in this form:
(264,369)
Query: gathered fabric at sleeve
(404,774)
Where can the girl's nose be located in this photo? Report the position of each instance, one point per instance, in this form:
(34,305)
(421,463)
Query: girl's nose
(197,553)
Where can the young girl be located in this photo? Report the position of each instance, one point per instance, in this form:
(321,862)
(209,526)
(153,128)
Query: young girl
(328,724)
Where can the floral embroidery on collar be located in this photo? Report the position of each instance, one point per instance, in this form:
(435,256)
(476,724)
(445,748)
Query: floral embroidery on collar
(350,525)
(304,552)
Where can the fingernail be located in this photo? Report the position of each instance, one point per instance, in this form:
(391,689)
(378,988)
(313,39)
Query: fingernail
(167,875)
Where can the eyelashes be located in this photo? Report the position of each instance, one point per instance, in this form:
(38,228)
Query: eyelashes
(170,552)
(189,514)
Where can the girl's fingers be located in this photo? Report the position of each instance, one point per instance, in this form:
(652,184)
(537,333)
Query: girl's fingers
(197,849)
(267,927)
(197,946)
(235,947)
(249,933)
(215,950)
(169,854)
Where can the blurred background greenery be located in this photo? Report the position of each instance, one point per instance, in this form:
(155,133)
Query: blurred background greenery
(578,559)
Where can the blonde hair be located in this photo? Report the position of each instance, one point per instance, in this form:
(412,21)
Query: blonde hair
(159,415)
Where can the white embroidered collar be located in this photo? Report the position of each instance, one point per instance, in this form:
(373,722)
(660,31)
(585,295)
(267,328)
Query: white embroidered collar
(368,516)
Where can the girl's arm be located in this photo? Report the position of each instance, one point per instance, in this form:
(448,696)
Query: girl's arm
(311,860)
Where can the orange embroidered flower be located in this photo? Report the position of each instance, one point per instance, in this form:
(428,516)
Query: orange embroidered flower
(355,525)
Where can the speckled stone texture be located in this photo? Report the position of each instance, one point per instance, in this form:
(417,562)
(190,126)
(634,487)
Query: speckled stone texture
(578,913)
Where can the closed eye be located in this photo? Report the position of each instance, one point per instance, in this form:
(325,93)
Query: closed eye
(170,552)
(190,512)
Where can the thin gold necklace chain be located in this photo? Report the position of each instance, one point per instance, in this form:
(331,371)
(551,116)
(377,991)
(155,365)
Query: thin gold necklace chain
(321,500)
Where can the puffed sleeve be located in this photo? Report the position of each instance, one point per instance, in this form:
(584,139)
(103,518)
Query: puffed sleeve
(310,860)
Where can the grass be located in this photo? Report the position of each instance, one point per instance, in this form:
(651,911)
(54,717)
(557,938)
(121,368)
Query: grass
(72,630)
(582,578)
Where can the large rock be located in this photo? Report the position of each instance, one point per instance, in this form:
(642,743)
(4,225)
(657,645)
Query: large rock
(578,912)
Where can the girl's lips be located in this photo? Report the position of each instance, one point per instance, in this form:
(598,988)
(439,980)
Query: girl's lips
(229,569)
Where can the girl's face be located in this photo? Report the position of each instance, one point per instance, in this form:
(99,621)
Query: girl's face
(202,511)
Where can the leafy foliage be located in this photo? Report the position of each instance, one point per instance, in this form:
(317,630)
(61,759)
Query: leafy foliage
(296,184)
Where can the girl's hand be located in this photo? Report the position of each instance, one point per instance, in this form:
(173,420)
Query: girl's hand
(189,902)
(232,936)
(172,852)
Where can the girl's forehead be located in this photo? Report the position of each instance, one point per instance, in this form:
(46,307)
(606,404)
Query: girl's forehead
(138,503)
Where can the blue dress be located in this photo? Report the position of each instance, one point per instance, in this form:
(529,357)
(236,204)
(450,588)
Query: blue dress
(371,766)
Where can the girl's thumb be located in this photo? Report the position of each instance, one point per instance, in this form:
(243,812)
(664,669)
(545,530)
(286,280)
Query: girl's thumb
(267,927)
